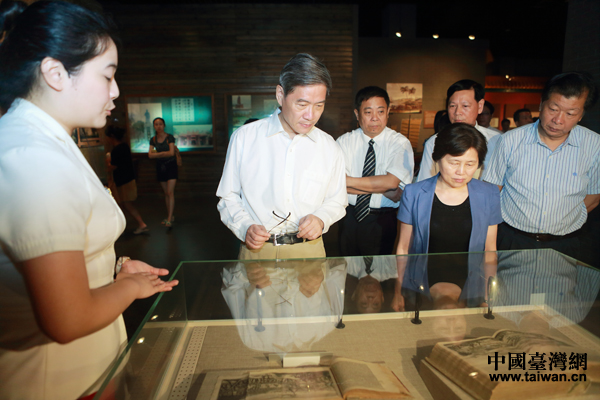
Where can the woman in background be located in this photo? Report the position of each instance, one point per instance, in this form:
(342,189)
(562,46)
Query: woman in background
(60,305)
(162,148)
(119,161)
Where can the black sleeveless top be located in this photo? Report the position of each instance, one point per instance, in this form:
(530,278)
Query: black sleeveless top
(450,227)
(449,232)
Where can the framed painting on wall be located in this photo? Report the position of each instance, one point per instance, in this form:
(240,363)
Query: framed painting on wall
(188,118)
(239,108)
(405,97)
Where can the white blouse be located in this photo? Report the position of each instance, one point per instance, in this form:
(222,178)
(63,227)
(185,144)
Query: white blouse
(50,200)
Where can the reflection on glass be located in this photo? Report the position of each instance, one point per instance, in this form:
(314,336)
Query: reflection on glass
(368,296)
(546,277)
(284,305)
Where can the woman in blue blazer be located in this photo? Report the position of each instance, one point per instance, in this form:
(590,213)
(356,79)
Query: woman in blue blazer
(451,212)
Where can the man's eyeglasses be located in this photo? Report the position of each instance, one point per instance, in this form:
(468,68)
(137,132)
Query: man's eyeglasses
(283,220)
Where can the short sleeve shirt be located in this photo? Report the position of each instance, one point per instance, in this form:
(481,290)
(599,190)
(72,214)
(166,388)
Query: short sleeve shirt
(51,201)
(543,190)
(393,154)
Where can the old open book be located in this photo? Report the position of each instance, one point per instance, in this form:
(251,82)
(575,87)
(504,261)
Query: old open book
(480,366)
(343,379)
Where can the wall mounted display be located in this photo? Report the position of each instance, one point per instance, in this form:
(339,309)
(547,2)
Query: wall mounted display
(405,97)
(188,118)
(241,107)
(86,137)
(429,119)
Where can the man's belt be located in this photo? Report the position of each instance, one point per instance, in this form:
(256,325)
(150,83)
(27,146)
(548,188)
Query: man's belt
(280,239)
(545,237)
(382,210)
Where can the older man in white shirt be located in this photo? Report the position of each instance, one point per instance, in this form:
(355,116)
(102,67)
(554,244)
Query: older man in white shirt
(284,183)
(465,103)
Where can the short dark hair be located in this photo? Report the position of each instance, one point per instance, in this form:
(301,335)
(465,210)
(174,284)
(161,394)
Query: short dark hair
(369,92)
(505,120)
(465,84)
(517,113)
(304,70)
(489,106)
(456,139)
(572,84)
(441,120)
(116,132)
(64,31)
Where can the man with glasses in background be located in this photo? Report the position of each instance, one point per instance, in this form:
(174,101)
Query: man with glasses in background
(284,180)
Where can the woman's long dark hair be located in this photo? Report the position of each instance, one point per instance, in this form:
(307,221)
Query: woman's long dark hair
(64,31)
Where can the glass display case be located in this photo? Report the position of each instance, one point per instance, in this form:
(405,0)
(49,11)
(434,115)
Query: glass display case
(528,312)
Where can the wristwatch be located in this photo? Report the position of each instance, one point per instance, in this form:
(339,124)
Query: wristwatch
(119,264)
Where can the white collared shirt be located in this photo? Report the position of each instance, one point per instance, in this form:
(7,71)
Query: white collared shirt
(52,201)
(393,154)
(266,171)
(429,168)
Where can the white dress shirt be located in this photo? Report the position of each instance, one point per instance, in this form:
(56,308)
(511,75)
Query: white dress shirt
(393,154)
(429,168)
(51,201)
(491,128)
(266,171)
(383,268)
(282,299)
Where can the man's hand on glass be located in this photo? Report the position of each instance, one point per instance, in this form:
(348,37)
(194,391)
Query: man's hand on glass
(256,236)
(310,227)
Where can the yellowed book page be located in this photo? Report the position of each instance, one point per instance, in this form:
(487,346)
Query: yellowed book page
(469,363)
(370,379)
(299,383)
(231,387)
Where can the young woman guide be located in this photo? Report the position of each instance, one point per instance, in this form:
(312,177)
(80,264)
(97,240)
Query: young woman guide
(60,303)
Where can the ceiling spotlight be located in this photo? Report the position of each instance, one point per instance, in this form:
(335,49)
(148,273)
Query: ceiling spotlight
(507,76)
(398,34)
(435,36)
(471,37)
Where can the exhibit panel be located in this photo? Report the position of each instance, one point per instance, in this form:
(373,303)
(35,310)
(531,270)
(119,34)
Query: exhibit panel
(424,326)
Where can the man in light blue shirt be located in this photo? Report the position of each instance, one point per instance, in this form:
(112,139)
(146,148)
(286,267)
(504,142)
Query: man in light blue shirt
(548,172)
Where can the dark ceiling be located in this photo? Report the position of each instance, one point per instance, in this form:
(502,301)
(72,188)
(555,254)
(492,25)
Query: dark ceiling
(527,29)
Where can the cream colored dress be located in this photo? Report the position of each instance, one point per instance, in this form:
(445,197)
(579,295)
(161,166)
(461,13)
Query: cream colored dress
(50,200)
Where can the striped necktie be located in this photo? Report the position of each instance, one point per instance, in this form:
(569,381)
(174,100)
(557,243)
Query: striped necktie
(363,200)
(368,264)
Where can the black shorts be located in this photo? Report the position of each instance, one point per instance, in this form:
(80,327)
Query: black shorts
(165,171)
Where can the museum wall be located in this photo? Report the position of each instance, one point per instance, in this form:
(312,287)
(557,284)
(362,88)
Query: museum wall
(435,63)
(582,44)
(224,49)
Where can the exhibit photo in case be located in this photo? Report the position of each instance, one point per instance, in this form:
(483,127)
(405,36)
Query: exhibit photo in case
(242,107)
(188,118)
